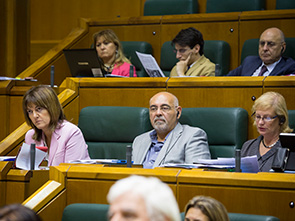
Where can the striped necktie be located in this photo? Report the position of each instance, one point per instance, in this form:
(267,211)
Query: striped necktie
(262,71)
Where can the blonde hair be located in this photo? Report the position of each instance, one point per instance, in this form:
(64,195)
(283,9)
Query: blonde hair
(110,36)
(210,207)
(45,97)
(277,102)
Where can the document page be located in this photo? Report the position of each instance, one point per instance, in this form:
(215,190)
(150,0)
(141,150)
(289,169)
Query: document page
(23,158)
(150,65)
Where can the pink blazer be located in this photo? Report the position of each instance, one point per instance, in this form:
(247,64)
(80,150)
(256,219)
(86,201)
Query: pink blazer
(67,143)
(123,70)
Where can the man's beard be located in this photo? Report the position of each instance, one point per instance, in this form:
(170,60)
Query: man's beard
(160,126)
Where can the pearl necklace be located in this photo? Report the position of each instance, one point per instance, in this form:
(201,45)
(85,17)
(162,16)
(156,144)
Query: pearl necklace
(270,146)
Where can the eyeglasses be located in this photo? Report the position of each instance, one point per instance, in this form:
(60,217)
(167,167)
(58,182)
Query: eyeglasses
(265,119)
(163,108)
(180,51)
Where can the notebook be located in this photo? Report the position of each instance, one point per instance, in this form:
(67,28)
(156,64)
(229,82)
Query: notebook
(83,62)
(288,141)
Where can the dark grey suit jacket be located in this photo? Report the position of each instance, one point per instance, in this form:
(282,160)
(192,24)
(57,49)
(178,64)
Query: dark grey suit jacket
(185,144)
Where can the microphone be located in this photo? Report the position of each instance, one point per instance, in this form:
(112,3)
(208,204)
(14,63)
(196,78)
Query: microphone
(131,71)
(52,76)
(32,155)
(128,155)
(217,70)
(238,160)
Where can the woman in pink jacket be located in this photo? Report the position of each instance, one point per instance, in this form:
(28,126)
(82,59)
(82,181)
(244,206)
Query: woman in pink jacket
(44,114)
(110,51)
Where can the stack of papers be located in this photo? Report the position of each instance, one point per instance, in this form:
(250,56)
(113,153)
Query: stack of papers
(248,164)
(99,161)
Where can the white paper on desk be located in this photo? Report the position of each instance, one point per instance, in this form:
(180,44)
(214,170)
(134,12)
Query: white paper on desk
(23,159)
(248,164)
(218,161)
(150,65)
(95,161)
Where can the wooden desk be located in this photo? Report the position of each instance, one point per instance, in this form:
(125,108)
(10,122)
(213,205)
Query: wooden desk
(16,185)
(21,184)
(4,168)
(262,193)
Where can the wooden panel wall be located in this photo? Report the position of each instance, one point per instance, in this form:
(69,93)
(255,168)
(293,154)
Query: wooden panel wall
(14,36)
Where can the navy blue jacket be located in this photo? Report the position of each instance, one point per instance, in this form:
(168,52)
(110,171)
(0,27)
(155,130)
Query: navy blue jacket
(285,67)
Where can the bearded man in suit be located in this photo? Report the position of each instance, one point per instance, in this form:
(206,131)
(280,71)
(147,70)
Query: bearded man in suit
(169,142)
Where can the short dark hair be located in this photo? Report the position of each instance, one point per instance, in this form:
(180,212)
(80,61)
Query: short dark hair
(189,37)
(18,212)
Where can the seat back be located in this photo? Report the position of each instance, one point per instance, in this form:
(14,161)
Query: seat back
(108,130)
(285,4)
(291,115)
(170,7)
(130,47)
(250,217)
(226,128)
(217,51)
(251,46)
(214,6)
(85,212)
(168,58)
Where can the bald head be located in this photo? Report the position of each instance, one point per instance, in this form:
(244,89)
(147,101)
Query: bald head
(271,45)
(164,113)
(167,95)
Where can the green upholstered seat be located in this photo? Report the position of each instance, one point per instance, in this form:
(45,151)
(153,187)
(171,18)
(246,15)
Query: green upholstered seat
(217,51)
(285,4)
(244,217)
(214,6)
(170,7)
(250,217)
(130,47)
(85,212)
(109,129)
(251,46)
(291,115)
(168,58)
(226,128)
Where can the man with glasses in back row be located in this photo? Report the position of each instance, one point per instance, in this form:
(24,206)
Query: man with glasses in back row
(189,46)
(270,61)
(169,142)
